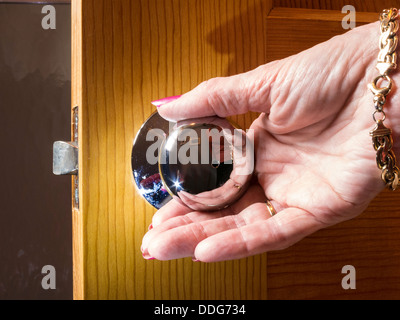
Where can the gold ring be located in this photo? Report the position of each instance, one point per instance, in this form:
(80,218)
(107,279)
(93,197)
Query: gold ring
(270,208)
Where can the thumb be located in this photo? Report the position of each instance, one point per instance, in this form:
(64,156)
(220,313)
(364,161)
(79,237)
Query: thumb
(223,96)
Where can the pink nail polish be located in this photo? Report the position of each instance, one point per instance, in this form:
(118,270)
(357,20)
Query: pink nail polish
(195,260)
(147,257)
(150,227)
(161,102)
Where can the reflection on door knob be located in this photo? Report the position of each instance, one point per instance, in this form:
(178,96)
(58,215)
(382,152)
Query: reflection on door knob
(205,164)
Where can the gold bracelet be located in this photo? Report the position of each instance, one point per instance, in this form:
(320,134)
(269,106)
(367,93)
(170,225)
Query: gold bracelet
(381,135)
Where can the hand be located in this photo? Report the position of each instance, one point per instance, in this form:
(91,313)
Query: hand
(314,155)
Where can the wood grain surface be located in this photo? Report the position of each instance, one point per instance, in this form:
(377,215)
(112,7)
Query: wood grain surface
(337,5)
(77,89)
(127,53)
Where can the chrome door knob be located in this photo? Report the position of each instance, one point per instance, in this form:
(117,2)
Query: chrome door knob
(205,164)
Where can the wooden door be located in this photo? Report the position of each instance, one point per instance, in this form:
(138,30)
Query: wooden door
(127,53)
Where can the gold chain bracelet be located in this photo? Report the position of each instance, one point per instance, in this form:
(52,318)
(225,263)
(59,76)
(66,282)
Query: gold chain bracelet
(381,135)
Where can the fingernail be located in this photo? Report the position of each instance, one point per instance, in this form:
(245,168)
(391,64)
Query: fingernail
(195,260)
(145,254)
(147,257)
(150,227)
(161,102)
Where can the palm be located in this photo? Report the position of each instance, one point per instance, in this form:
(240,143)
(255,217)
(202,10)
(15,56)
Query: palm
(313,153)
(316,152)
(323,175)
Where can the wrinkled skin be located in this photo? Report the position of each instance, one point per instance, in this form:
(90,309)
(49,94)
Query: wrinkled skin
(314,155)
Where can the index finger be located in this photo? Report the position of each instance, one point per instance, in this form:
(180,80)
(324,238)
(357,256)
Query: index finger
(279,232)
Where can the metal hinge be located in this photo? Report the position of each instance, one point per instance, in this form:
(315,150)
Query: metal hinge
(65,157)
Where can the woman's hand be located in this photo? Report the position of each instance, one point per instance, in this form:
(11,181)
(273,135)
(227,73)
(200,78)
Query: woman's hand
(314,155)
